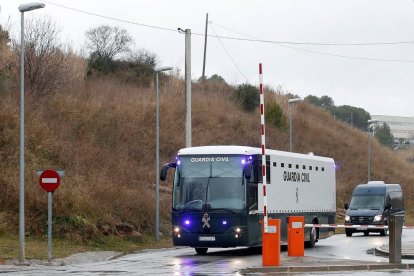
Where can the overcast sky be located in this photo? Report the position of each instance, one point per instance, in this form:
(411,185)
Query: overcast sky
(379,78)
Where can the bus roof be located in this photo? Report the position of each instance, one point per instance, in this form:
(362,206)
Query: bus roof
(243,150)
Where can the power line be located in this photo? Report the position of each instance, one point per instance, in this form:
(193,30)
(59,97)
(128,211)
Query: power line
(237,38)
(228,54)
(252,38)
(111,18)
(255,39)
(258,40)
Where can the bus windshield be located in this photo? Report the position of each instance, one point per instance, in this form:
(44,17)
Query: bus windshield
(213,181)
(373,202)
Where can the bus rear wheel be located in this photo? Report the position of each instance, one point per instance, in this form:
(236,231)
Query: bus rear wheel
(312,238)
(201,250)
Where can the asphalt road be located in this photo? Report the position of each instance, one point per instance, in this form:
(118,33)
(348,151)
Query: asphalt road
(184,261)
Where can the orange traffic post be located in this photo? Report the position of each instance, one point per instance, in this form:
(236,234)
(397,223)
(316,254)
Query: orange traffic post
(271,243)
(296,236)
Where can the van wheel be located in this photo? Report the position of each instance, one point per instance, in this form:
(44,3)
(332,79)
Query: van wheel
(312,238)
(348,233)
(201,250)
(366,233)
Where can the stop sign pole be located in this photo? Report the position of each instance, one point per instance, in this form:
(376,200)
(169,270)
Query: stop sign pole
(49,180)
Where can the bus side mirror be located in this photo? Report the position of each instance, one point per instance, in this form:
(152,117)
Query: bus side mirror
(247,171)
(164,170)
(346,206)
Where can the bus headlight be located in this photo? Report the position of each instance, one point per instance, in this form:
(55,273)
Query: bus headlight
(378,218)
(347,218)
(177,232)
(237,232)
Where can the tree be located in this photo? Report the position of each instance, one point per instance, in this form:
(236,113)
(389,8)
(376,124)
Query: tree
(384,135)
(139,66)
(4,37)
(313,100)
(216,78)
(324,101)
(327,101)
(46,65)
(274,115)
(106,43)
(356,116)
(248,96)
(5,57)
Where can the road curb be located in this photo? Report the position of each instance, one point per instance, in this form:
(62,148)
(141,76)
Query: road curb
(331,268)
(379,251)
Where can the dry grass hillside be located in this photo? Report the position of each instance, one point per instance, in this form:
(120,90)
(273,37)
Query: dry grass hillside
(102,133)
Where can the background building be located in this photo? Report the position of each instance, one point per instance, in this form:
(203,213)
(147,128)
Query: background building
(400,127)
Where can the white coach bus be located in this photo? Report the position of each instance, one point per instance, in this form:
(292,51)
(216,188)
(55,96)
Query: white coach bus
(218,195)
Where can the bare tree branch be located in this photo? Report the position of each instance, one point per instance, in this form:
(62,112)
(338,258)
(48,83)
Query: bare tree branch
(107,41)
(47,67)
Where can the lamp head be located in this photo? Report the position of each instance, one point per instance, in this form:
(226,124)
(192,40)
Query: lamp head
(160,69)
(295,100)
(31,6)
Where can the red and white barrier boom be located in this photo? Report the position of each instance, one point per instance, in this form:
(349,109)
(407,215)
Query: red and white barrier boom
(363,226)
(262,126)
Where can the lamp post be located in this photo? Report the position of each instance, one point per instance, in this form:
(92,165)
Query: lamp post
(370,124)
(291,101)
(23,8)
(157,156)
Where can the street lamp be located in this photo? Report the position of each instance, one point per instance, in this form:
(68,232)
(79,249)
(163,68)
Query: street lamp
(291,101)
(23,8)
(157,156)
(370,125)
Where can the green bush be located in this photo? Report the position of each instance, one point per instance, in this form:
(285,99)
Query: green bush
(248,96)
(102,64)
(274,115)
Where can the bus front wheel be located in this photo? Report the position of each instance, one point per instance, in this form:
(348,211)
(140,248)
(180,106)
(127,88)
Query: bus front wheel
(201,250)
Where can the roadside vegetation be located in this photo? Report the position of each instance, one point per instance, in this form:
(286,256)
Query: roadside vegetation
(97,122)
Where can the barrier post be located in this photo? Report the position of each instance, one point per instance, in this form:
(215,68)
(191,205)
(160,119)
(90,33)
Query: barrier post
(271,243)
(395,230)
(296,236)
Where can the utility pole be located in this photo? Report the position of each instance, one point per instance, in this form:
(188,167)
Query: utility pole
(188,88)
(352,119)
(291,101)
(371,124)
(203,78)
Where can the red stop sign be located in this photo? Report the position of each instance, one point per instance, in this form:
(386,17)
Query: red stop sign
(49,180)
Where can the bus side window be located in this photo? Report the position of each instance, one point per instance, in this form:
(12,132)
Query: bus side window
(252,193)
(258,170)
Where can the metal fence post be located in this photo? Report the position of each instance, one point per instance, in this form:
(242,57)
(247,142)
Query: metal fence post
(395,231)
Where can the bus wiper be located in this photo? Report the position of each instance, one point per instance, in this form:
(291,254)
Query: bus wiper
(228,210)
(184,211)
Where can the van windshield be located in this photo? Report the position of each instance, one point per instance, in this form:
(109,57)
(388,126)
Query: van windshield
(373,202)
